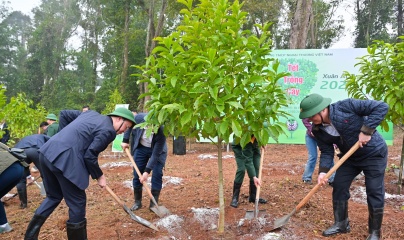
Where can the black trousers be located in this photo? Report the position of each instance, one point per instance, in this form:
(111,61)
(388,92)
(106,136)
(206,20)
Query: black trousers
(373,168)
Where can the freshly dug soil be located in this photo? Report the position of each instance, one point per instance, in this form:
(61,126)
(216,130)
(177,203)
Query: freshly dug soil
(190,192)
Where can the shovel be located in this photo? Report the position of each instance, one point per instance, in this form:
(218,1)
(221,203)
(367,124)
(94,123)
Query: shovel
(283,220)
(131,214)
(250,214)
(161,211)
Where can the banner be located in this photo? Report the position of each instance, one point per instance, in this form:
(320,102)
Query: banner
(316,71)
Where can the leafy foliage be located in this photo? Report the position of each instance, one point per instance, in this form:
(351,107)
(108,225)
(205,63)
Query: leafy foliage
(22,116)
(114,99)
(211,78)
(373,17)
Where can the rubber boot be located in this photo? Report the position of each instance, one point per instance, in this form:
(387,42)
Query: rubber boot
(137,192)
(236,194)
(341,224)
(22,195)
(375,223)
(156,194)
(77,231)
(34,227)
(253,194)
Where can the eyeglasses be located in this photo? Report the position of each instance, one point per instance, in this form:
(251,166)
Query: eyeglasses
(127,126)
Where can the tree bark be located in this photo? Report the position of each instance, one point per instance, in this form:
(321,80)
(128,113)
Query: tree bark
(152,32)
(399,19)
(300,24)
(125,55)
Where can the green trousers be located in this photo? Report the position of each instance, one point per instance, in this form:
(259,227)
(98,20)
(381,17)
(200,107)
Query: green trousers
(248,159)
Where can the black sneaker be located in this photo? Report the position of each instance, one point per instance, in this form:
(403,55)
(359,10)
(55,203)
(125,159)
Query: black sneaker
(307,182)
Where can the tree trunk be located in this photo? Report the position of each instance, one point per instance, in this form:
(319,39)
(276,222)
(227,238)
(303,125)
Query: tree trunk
(399,19)
(125,55)
(152,32)
(300,24)
(400,175)
(221,186)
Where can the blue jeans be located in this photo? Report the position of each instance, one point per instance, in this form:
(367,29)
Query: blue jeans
(8,179)
(311,146)
(142,156)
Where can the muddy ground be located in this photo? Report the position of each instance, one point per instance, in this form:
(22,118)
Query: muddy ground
(191,194)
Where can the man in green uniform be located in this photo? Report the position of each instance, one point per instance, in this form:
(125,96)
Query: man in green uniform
(248,159)
(53,126)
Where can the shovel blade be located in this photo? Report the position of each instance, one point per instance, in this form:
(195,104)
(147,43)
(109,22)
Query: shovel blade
(283,220)
(139,219)
(250,214)
(161,211)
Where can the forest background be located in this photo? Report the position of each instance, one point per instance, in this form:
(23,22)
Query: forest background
(70,53)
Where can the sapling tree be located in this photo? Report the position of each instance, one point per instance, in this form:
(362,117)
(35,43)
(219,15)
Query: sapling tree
(381,76)
(210,78)
(22,116)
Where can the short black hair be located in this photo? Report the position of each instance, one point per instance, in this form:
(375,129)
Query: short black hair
(86,106)
(43,124)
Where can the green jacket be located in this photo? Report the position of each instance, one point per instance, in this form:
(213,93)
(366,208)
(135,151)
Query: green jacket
(52,129)
(6,159)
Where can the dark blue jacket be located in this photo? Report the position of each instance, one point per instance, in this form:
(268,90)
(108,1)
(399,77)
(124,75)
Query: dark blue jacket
(75,148)
(158,144)
(348,117)
(32,141)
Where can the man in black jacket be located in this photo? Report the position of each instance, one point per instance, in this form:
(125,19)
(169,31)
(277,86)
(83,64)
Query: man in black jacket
(344,123)
(150,154)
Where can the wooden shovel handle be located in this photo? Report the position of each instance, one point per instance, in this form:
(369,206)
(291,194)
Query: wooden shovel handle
(328,175)
(114,196)
(139,174)
(257,196)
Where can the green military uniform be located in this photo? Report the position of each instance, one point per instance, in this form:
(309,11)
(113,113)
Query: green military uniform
(53,128)
(248,159)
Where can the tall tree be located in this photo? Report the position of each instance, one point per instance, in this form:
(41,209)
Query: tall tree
(300,24)
(18,26)
(55,21)
(321,27)
(154,29)
(373,18)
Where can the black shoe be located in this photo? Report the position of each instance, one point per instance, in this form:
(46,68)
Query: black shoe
(34,227)
(341,221)
(156,194)
(137,192)
(308,182)
(236,194)
(77,231)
